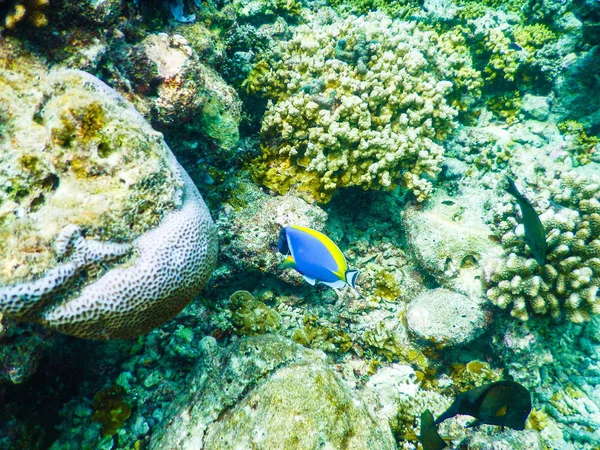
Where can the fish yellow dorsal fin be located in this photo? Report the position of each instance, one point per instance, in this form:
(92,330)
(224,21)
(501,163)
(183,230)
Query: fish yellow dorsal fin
(333,249)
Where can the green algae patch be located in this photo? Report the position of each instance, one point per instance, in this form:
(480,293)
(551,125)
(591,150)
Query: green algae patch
(71,155)
(110,410)
(322,336)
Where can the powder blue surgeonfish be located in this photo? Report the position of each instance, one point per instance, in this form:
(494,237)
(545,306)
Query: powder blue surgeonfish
(315,257)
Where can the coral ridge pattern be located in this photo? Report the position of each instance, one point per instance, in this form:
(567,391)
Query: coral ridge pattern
(173,262)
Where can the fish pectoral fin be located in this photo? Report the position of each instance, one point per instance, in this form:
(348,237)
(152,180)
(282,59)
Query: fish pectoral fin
(338,284)
(289,263)
(309,280)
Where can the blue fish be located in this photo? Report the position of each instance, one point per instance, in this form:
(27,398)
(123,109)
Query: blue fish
(315,257)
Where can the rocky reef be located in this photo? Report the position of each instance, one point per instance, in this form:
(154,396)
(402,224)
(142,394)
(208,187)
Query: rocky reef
(389,126)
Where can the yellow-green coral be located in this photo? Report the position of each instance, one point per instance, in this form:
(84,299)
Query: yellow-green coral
(503,60)
(390,343)
(251,316)
(110,410)
(532,37)
(326,337)
(474,373)
(394,8)
(257,76)
(507,106)
(386,285)
(579,144)
(364,101)
(507,53)
(30,10)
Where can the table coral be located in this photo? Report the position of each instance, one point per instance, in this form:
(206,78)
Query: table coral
(100,147)
(569,281)
(359,102)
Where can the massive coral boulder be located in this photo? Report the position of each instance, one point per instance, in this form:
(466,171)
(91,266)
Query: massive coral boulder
(104,234)
(268,392)
(446,318)
(450,239)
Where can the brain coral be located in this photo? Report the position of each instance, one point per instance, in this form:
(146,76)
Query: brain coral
(104,234)
(568,283)
(363,101)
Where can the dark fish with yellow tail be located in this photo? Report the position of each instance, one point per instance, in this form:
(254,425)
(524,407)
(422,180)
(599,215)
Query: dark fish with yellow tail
(535,236)
(429,437)
(505,403)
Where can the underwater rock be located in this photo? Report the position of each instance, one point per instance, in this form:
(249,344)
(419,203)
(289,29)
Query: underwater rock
(270,392)
(506,440)
(250,228)
(537,107)
(105,235)
(181,92)
(446,318)
(577,90)
(450,239)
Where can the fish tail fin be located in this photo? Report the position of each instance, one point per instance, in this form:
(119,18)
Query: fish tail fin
(289,263)
(351,276)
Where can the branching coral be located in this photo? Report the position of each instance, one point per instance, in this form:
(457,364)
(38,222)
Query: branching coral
(568,283)
(506,53)
(360,102)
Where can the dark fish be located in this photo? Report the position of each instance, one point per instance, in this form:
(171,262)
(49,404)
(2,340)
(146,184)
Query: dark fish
(429,437)
(535,236)
(503,403)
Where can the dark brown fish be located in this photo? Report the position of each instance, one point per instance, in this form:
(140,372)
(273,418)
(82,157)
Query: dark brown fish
(504,403)
(535,236)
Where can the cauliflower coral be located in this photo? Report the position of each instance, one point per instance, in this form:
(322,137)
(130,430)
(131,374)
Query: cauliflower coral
(363,101)
(568,283)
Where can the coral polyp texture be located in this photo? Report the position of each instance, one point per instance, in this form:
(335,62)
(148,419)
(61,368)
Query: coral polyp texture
(104,235)
(568,284)
(363,101)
